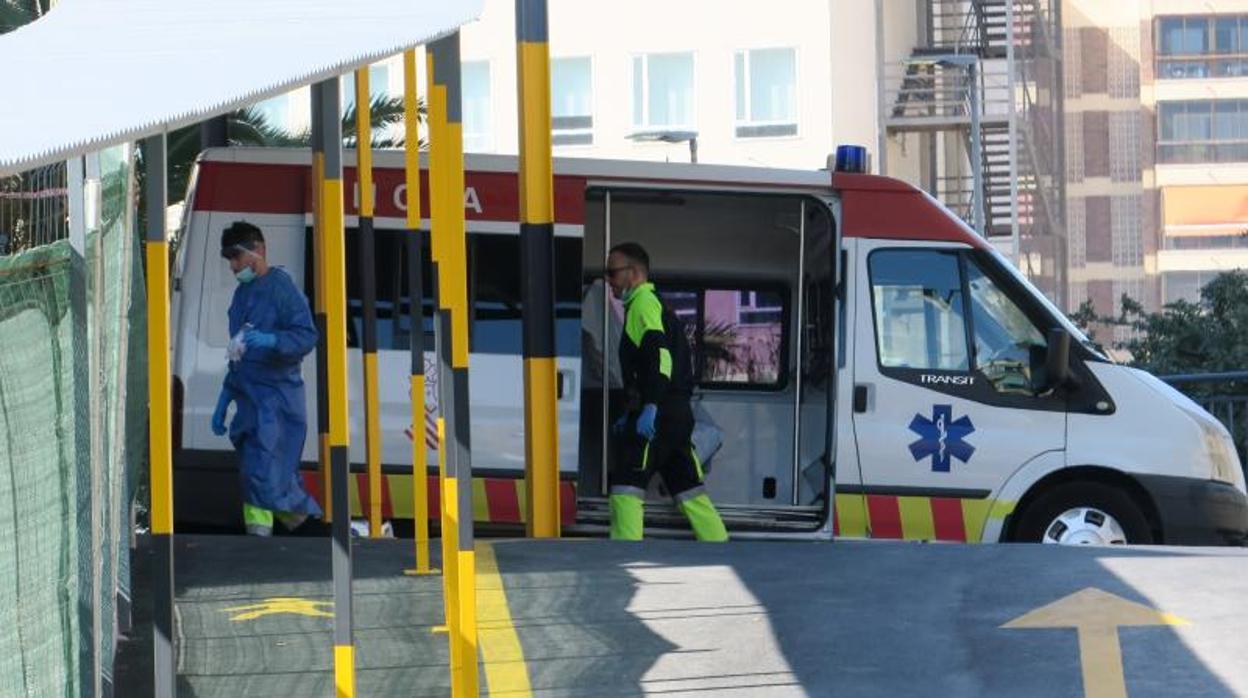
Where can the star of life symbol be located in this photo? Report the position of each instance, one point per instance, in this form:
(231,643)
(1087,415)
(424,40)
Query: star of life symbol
(941,437)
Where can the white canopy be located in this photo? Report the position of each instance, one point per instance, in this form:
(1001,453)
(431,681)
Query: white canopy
(95,73)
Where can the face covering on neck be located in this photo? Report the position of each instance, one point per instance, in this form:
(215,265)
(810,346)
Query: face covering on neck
(245,275)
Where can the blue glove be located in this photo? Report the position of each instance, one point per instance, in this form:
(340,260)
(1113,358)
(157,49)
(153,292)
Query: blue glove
(218,415)
(258,339)
(645,421)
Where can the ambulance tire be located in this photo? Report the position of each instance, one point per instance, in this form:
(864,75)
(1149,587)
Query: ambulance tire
(1113,501)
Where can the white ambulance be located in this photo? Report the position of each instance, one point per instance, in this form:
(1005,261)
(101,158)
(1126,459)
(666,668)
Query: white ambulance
(849,335)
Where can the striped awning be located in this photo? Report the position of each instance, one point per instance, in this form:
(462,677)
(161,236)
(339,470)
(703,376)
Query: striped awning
(95,73)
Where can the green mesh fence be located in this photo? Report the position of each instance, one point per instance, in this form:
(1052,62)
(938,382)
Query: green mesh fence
(73,425)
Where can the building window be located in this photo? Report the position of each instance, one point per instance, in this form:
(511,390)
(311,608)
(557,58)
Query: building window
(1124,146)
(1074,146)
(1202,46)
(478,136)
(571,101)
(663,91)
(1124,62)
(766,88)
(1072,62)
(1077,232)
(1127,238)
(1199,131)
(378,85)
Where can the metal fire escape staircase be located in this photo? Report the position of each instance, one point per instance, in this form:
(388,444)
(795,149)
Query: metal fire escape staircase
(958,82)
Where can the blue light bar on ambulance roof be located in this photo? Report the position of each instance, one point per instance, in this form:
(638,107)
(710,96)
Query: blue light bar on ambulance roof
(851,158)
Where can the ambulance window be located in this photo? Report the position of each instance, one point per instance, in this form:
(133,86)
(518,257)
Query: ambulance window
(391,280)
(390,276)
(494,284)
(736,334)
(919,310)
(1008,346)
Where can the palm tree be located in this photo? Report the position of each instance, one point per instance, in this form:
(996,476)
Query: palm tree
(251,126)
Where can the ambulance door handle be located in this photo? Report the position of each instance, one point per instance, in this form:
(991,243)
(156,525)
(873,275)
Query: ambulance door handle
(861,395)
(565,385)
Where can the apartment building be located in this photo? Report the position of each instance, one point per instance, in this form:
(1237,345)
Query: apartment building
(1157,148)
(782,84)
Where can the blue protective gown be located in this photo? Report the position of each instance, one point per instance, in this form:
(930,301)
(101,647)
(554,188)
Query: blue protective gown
(270,422)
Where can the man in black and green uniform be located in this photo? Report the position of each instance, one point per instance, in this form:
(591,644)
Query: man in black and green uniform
(656,433)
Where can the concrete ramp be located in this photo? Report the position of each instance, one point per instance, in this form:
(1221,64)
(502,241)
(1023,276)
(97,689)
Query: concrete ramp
(596,618)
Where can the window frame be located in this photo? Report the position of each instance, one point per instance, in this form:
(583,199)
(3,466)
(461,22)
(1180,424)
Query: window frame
(646,124)
(488,141)
(1180,150)
(748,123)
(981,389)
(875,318)
(556,131)
(1211,60)
(699,287)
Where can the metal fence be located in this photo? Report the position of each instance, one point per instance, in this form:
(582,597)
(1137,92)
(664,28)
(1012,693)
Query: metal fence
(33,209)
(73,387)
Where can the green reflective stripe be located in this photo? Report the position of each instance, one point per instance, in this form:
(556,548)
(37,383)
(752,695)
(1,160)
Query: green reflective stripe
(704,519)
(665,363)
(645,456)
(697,463)
(255,516)
(645,314)
(627,517)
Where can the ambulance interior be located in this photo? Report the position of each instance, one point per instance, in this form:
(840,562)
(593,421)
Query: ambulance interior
(739,270)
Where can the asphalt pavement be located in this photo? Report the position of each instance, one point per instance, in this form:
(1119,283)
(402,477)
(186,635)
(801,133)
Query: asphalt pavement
(585,617)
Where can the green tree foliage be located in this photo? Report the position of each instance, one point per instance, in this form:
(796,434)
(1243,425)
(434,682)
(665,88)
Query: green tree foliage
(15,13)
(251,127)
(1210,335)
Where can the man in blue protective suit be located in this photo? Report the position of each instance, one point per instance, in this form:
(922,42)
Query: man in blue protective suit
(272,331)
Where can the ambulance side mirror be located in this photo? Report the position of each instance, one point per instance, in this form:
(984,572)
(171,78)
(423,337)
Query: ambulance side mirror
(1057,361)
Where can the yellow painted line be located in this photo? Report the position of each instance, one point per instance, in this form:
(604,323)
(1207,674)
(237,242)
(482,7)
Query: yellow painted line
(851,515)
(505,670)
(974,514)
(916,518)
(1096,615)
(344,671)
(281,605)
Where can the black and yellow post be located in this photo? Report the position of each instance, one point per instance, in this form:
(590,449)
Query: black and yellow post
(435,117)
(318,284)
(416,319)
(333,251)
(160,425)
(447,178)
(368,285)
(537,263)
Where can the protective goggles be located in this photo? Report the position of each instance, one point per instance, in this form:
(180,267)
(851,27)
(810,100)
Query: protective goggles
(235,251)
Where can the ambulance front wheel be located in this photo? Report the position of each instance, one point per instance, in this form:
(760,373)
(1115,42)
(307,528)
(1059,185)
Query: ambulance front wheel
(1084,513)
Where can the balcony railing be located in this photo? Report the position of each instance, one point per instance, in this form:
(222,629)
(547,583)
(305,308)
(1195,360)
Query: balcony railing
(1202,66)
(1200,152)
